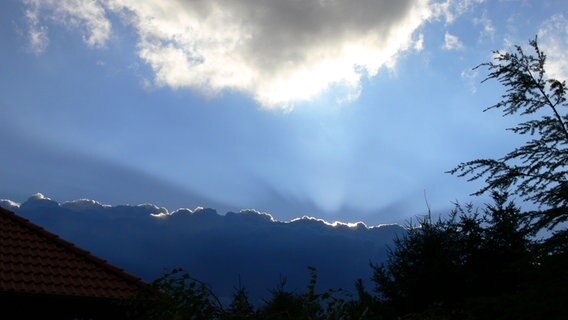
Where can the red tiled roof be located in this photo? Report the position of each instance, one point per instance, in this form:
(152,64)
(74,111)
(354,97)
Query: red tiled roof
(33,260)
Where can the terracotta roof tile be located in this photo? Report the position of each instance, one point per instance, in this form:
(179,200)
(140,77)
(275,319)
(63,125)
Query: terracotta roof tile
(33,260)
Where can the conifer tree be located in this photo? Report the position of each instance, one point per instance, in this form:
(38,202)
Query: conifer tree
(537,170)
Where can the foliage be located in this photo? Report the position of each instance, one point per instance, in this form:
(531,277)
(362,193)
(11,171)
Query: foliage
(439,266)
(176,295)
(328,305)
(240,307)
(538,170)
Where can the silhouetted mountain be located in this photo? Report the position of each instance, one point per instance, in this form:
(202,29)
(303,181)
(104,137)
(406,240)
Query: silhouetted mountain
(147,240)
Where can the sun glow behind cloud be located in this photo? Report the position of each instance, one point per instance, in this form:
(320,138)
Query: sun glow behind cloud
(279,52)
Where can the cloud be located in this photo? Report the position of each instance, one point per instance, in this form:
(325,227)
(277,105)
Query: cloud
(38,196)
(488,27)
(553,40)
(84,205)
(280,52)
(419,44)
(452,42)
(450,10)
(88,16)
(218,249)
(471,77)
(9,204)
(256,213)
(37,33)
(335,224)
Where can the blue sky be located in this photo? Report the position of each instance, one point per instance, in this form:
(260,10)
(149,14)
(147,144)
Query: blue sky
(344,110)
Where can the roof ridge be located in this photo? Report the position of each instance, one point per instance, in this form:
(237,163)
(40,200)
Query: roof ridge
(70,246)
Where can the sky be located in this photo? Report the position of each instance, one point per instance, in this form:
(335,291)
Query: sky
(343,110)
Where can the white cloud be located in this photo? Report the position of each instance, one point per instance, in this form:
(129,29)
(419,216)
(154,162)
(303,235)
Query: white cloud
(86,15)
(39,196)
(452,42)
(471,77)
(9,204)
(450,10)
(553,41)
(280,52)
(419,44)
(488,27)
(37,34)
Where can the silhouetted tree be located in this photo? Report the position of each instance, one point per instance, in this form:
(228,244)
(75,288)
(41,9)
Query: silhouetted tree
(177,296)
(285,304)
(422,270)
(331,304)
(463,266)
(538,170)
(240,308)
(366,306)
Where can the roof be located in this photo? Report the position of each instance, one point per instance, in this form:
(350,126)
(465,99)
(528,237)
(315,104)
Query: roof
(35,261)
